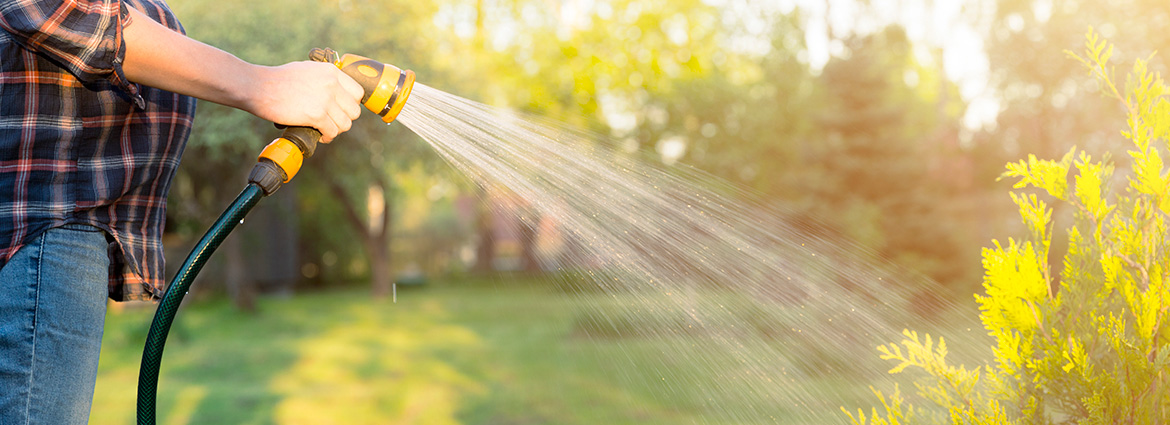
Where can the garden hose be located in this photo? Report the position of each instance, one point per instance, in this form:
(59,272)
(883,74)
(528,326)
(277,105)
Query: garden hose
(386,90)
(165,315)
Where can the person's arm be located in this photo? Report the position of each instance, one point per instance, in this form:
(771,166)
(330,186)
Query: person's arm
(306,93)
(107,40)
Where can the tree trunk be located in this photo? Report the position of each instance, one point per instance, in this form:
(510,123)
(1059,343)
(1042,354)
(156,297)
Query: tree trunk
(238,283)
(381,272)
(375,234)
(485,251)
(529,228)
(240,287)
(381,276)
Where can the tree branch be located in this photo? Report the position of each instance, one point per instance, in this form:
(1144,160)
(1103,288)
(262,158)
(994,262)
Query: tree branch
(351,215)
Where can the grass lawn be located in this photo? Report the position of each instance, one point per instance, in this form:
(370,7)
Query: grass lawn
(450,353)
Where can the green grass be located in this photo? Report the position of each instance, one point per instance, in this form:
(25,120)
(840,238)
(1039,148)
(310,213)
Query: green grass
(486,353)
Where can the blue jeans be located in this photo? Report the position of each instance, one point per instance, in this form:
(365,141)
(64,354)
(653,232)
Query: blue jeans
(52,312)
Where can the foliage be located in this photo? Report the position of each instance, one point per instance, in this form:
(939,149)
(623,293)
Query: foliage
(642,71)
(226,140)
(1087,344)
(881,148)
(1044,100)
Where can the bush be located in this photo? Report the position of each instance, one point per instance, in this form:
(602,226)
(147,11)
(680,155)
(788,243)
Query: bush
(1086,345)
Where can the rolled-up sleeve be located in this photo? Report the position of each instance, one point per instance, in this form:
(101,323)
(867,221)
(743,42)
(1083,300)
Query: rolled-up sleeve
(82,36)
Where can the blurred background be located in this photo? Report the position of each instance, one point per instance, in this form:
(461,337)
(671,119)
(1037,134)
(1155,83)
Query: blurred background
(882,122)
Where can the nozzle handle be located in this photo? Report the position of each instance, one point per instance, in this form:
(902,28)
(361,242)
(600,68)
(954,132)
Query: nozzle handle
(282,158)
(365,71)
(306,138)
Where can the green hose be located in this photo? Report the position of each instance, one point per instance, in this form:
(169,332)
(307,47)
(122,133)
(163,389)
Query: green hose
(165,315)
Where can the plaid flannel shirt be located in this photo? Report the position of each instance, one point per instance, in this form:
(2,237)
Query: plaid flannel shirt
(79,143)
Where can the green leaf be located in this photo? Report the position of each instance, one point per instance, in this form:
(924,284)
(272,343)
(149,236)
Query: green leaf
(1051,176)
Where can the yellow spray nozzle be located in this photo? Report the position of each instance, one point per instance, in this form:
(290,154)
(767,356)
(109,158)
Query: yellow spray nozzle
(386,90)
(386,86)
(398,98)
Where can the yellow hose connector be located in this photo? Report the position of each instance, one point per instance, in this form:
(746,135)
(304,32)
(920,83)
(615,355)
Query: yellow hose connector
(286,155)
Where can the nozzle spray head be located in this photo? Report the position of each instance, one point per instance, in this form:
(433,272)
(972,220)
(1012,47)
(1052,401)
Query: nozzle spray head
(386,86)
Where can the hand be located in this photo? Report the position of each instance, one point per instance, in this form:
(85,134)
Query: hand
(312,94)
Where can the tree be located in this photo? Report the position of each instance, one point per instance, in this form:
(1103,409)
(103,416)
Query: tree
(226,139)
(1045,101)
(873,166)
(1085,344)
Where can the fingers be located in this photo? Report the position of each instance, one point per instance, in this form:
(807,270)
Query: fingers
(339,121)
(350,86)
(312,94)
(346,107)
(352,109)
(329,130)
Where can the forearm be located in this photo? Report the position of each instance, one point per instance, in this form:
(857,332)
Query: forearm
(159,57)
(313,94)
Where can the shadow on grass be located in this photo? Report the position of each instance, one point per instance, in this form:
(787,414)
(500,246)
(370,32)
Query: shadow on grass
(221,359)
(319,359)
(214,368)
(485,352)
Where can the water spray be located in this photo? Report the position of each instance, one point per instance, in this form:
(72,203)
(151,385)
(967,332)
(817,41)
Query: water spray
(386,89)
